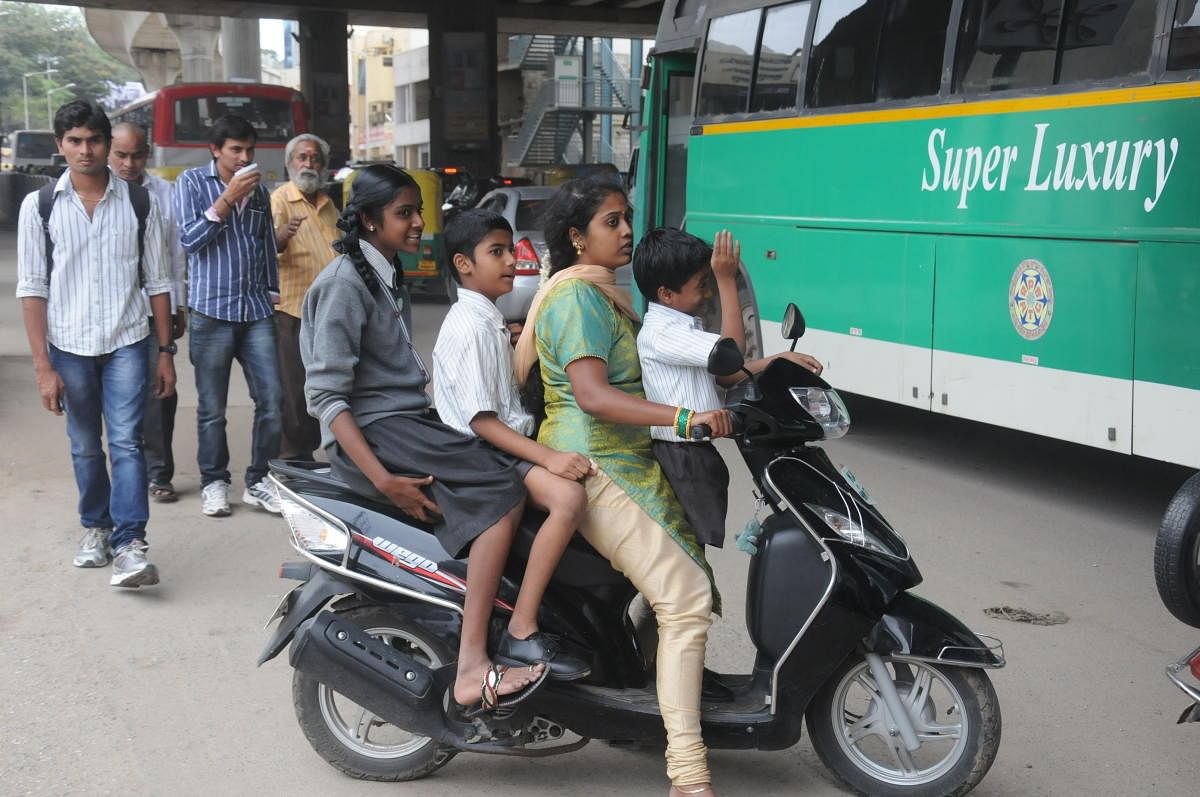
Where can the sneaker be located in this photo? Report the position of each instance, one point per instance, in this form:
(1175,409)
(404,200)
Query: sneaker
(93,548)
(262,496)
(214,499)
(131,568)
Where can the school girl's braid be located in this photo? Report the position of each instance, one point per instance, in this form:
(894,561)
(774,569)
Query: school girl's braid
(351,225)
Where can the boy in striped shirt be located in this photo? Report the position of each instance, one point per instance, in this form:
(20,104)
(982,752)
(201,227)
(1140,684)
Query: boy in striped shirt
(475,393)
(675,271)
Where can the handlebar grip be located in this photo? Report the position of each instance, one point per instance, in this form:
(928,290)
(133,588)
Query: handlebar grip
(700,431)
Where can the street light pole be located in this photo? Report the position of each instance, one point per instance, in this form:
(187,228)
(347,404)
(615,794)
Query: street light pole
(25,90)
(52,91)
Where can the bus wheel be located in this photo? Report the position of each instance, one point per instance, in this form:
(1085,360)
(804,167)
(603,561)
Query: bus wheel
(1177,554)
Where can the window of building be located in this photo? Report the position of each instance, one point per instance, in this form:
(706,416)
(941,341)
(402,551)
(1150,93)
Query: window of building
(1008,45)
(780,57)
(1185,37)
(912,48)
(404,104)
(728,64)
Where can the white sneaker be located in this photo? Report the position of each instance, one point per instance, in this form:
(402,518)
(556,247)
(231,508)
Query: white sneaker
(262,496)
(214,499)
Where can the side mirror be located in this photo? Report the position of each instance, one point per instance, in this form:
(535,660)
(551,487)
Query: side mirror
(725,359)
(793,323)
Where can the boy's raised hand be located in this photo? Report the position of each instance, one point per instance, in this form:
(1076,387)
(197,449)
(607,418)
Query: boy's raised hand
(727,253)
(569,465)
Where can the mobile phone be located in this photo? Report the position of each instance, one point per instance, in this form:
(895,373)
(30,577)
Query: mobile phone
(249,167)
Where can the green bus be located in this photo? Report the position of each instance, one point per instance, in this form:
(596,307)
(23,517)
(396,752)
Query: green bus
(985,208)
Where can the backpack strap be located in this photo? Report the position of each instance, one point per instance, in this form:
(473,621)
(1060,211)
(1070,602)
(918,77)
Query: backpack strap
(139,197)
(46,197)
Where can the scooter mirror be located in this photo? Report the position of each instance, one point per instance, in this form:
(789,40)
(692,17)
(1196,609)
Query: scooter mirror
(793,322)
(725,358)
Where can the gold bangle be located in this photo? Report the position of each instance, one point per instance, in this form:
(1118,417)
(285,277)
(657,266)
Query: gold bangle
(675,423)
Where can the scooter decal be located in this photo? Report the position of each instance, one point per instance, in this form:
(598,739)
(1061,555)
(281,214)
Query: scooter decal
(417,565)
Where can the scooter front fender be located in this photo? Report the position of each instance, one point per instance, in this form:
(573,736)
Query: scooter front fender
(914,628)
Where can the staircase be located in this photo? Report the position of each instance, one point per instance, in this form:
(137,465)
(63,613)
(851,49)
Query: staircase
(536,52)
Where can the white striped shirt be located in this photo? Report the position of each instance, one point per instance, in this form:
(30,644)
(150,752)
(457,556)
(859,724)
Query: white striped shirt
(94,302)
(673,348)
(472,367)
(161,190)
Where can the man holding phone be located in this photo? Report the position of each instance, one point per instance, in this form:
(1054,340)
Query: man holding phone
(225,226)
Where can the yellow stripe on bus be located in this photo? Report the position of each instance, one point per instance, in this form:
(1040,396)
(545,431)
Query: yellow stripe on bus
(1169,91)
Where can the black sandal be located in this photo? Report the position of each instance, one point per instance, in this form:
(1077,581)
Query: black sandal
(490,698)
(162,492)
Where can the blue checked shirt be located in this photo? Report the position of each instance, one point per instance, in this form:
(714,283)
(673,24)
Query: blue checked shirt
(232,266)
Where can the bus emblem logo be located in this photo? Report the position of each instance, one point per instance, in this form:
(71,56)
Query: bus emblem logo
(1031,299)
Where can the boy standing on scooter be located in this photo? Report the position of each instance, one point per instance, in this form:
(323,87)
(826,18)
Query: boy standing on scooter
(675,272)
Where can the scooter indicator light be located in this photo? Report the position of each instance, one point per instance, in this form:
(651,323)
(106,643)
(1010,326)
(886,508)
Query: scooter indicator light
(1194,666)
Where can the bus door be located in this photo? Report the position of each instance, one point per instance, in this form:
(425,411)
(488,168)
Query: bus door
(661,176)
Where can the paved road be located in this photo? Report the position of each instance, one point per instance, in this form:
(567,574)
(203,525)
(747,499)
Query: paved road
(106,691)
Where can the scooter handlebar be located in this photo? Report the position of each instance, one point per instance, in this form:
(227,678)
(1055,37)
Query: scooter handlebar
(701,431)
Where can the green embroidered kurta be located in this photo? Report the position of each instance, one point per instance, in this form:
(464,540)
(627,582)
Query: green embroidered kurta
(577,320)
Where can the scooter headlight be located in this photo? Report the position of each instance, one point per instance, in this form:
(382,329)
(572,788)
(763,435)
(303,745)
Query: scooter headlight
(849,530)
(313,532)
(826,408)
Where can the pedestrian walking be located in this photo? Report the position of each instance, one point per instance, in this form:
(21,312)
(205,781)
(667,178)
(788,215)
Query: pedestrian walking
(305,229)
(127,159)
(225,227)
(87,246)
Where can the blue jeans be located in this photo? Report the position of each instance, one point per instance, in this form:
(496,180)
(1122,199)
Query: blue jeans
(213,345)
(109,389)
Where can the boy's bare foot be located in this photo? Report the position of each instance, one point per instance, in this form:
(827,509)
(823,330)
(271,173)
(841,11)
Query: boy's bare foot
(695,790)
(468,684)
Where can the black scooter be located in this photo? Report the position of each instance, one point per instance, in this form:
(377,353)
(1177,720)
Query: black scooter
(893,688)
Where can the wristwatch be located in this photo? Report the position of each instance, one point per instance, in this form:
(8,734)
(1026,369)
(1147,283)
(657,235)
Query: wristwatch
(170,348)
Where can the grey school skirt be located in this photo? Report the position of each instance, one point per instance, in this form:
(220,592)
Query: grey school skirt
(474,484)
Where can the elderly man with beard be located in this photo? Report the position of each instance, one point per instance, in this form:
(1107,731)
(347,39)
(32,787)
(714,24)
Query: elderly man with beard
(305,229)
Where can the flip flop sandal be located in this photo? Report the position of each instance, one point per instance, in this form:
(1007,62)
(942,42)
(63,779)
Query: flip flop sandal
(163,493)
(491,699)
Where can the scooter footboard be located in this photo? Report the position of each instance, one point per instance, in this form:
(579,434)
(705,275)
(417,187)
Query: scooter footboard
(914,628)
(392,685)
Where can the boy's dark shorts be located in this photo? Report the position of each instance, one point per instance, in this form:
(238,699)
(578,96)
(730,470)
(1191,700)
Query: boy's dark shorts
(700,478)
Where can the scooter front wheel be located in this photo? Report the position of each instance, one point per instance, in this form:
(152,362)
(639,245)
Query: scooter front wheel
(349,736)
(953,710)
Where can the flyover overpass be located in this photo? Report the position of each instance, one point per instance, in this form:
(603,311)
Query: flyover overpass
(462,53)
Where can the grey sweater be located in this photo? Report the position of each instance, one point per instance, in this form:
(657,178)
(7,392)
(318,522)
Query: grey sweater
(356,355)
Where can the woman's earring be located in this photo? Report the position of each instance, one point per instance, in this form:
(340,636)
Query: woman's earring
(578,244)
(370,228)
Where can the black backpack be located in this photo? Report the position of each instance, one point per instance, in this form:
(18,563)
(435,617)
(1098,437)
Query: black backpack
(139,197)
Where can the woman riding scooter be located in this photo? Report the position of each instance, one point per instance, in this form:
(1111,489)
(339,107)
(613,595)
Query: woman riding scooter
(581,335)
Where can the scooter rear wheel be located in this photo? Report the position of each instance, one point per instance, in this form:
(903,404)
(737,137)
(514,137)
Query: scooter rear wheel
(954,711)
(353,739)
(1177,554)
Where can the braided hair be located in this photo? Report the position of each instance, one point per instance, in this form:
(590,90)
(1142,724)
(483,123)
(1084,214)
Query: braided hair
(374,188)
(573,206)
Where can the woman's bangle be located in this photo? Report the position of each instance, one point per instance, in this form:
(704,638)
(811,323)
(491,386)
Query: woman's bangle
(683,419)
(687,428)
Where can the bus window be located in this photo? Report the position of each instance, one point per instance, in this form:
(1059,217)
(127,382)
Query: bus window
(728,64)
(911,49)
(34,146)
(780,57)
(1185,37)
(679,121)
(270,117)
(844,49)
(1105,40)
(1006,44)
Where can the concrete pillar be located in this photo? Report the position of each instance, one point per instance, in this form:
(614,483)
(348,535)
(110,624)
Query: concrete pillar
(463,129)
(324,80)
(157,68)
(589,75)
(241,53)
(197,37)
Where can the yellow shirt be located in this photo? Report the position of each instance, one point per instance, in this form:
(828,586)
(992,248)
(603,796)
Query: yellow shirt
(309,250)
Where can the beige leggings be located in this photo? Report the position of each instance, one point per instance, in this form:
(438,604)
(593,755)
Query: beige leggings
(680,595)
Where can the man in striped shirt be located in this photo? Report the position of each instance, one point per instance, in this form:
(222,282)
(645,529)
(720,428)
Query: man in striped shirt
(224,216)
(305,229)
(85,316)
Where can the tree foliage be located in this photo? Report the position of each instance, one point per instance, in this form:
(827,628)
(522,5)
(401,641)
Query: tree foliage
(34,37)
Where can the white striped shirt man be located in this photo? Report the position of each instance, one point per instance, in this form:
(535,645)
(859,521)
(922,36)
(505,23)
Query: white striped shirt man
(94,304)
(472,367)
(673,348)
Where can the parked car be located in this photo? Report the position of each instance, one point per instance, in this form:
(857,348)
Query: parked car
(522,206)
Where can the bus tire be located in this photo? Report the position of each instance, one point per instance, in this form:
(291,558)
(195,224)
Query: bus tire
(1177,554)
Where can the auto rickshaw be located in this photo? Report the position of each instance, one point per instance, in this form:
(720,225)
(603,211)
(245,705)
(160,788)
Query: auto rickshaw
(425,273)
